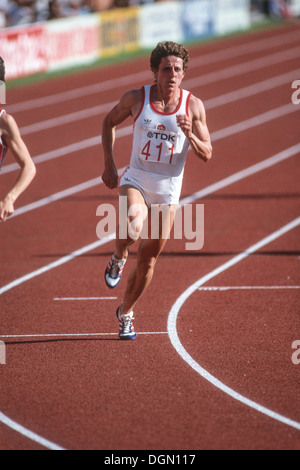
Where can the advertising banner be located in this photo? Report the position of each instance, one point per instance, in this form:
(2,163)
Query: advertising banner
(72,41)
(23,50)
(231,15)
(160,22)
(294,7)
(197,19)
(80,40)
(119,31)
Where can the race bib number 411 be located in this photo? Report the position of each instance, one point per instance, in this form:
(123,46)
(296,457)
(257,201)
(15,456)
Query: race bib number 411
(159,147)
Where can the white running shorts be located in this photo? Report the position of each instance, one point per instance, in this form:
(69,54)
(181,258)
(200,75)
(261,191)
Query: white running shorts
(155,188)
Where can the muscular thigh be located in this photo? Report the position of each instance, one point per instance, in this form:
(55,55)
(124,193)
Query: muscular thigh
(132,212)
(153,225)
(160,222)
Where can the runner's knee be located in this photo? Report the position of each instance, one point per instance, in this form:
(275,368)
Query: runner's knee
(145,263)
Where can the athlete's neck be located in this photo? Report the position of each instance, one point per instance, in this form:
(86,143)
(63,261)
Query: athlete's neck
(165,100)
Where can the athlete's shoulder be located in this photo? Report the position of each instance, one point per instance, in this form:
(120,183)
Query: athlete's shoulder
(132,97)
(7,120)
(196,106)
(132,101)
(195,101)
(8,125)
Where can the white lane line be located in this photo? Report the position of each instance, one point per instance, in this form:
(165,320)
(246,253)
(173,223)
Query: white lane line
(56,153)
(188,83)
(61,195)
(28,434)
(281,156)
(201,60)
(215,136)
(254,121)
(4,419)
(77,335)
(238,176)
(67,118)
(57,263)
(67,149)
(246,67)
(224,288)
(173,317)
(245,49)
(172,332)
(76,93)
(221,100)
(93,141)
(251,90)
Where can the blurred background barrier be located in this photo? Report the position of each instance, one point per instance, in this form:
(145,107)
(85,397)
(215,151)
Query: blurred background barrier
(119,31)
(38,36)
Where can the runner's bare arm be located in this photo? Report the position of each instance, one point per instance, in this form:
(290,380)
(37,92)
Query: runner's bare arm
(14,141)
(196,130)
(127,106)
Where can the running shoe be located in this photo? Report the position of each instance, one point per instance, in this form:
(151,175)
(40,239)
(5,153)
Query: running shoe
(113,272)
(126,328)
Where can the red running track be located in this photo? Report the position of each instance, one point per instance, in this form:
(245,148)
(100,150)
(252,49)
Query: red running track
(215,365)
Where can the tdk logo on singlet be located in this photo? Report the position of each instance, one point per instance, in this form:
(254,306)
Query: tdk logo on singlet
(161,136)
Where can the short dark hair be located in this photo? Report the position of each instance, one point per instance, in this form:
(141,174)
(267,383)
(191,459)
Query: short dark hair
(166,48)
(2,70)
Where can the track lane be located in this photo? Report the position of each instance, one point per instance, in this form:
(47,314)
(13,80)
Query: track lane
(77,318)
(89,216)
(221,50)
(164,412)
(77,314)
(231,345)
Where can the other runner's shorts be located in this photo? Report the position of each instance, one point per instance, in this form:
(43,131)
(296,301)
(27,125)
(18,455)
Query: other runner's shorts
(155,188)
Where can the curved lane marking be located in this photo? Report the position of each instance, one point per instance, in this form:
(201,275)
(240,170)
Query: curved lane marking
(173,335)
(175,310)
(29,434)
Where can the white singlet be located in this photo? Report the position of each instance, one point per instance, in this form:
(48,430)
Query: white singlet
(3,148)
(158,152)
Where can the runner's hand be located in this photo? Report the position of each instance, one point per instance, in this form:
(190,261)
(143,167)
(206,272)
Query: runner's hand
(110,177)
(6,209)
(185,124)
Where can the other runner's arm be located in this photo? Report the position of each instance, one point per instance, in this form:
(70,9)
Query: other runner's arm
(196,130)
(116,116)
(14,141)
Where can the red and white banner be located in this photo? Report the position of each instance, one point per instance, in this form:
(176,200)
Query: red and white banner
(28,50)
(79,40)
(23,50)
(72,41)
